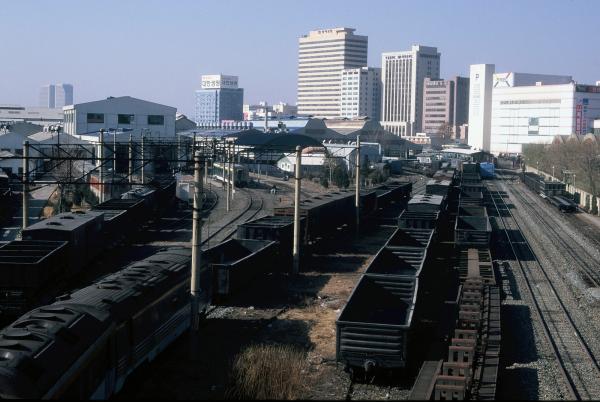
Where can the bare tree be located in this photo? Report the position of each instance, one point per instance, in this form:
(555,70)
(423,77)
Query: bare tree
(446,130)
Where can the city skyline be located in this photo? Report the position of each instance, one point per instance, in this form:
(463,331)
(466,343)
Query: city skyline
(193,47)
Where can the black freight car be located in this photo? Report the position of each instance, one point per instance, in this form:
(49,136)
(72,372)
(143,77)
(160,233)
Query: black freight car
(275,228)
(374,327)
(235,263)
(165,187)
(470,178)
(472,231)
(123,216)
(324,213)
(438,187)
(372,330)
(562,204)
(423,212)
(540,185)
(27,267)
(149,195)
(83,230)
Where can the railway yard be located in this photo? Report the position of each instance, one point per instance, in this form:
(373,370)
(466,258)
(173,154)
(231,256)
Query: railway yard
(452,287)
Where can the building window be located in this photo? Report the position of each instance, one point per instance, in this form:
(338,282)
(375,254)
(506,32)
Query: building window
(156,120)
(95,117)
(125,119)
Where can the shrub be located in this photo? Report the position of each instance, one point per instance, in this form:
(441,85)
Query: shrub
(268,372)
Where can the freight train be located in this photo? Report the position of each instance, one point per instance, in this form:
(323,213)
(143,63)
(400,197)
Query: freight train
(86,343)
(552,191)
(382,325)
(378,327)
(55,249)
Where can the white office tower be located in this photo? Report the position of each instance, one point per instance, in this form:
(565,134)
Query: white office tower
(361,92)
(402,76)
(322,56)
(480,106)
(63,95)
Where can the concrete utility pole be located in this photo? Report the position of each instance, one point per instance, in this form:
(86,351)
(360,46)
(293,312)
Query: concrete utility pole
(196,245)
(357,196)
(114,152)
(296,250)
(25,184)
(130,159)
(114,155)
(178,151)
(206,172)
(101,167)
(226,176)
(266,117)
(232,170)
(142,158)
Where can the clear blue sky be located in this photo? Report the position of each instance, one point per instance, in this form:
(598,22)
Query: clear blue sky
(157,50)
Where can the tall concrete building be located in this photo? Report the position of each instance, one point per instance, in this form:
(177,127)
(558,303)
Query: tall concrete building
(461,101)
(438,105)
(63,95)
(56,95)
(361,92)
(322,56)
(445,105)
(219,99)
(480,105)
(402,78)
(47,96)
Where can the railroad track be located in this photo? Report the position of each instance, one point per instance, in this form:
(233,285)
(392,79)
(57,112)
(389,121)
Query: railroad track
(209,203)
(587,269)
(252,208)
(576,363)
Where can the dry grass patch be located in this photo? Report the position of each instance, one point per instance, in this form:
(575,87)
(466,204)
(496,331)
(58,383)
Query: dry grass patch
(269,372)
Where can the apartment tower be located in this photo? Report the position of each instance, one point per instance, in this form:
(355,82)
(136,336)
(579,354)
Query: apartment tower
(322,56)
(402,78)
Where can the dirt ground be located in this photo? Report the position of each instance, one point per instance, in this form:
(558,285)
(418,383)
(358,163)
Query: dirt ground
(277,309)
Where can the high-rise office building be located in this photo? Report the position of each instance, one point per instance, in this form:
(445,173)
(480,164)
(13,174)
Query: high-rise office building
(322,56)
(461,102)
(361,92)
(438,105)
(56,95)
(219,99)
(402,78)
(63,95)
(445,105)
(47,96)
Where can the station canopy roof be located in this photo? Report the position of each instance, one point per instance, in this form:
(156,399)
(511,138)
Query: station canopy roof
(259,139)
